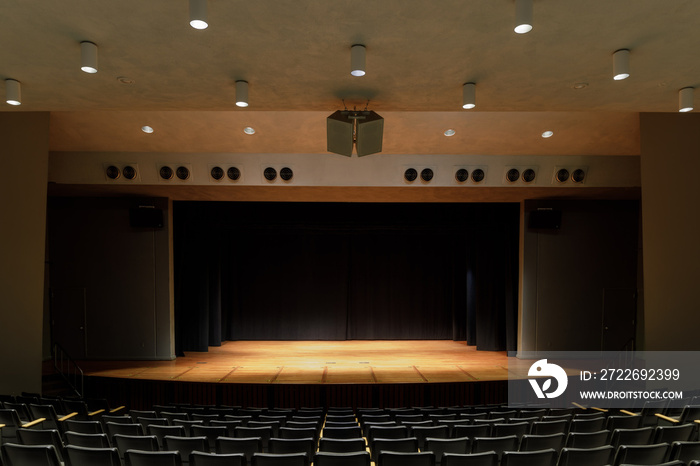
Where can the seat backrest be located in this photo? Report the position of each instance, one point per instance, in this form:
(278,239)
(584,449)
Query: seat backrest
(358,458)
(638,436)
(296,445)
(386,432)
(497,444)
(152,458)
(293,432)
(675,433)
(549,427)
(85,456)
(114,428)
(245,445)
(35,455)
(515,428)
(471,430)
(685,451)
(41,437)
(333,445)
(135,442)
(440,446)
(378,445)
(161,431)
(641,454)
(600,456)
(532,442)
(87,440)
(343,432)
(587,439)
(185,445)
(84,427)
(487,458)
(546,457)
(198,458)
(278,459)
(623,422)
(587,425)
(395,458)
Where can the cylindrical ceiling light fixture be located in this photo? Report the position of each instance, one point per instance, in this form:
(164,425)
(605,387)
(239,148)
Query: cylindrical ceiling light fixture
(523,16)
(357,60)
(13,92)
(242,93)
(469,95)
(621,64)
(685,99)
(88,57)
(198,14)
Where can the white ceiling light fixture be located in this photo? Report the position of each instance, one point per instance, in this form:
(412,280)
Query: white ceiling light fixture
(547,134)
(88,57)
(469,95)
(523,16)
(621,64)
(358,56)
(198,14)
(685,99)
(450,132)
(249,130)
(147,129)
(13,92)
(242,93)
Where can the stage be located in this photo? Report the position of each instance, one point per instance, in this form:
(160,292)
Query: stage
(310,373)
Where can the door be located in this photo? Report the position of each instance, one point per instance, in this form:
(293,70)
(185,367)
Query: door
(68,320)
(619,317)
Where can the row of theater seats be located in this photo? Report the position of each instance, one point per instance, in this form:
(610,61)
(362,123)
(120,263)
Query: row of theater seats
(203,435)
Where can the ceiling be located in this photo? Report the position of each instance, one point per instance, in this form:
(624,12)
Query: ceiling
(296,58)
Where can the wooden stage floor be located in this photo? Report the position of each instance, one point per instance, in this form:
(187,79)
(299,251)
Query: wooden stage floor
(318,362)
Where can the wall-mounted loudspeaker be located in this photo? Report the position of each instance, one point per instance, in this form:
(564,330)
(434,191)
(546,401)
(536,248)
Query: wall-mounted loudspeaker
(529,175)
(462,175)
(270,174)
(286,173)
(544,219)
(113,172)
(410,175)
(233,173)
(129,172)
(478,175)
(513,175)
(166,172)
(182,173)
(562,175)
(426,174)
(146,217)
(217,173)
(578,176)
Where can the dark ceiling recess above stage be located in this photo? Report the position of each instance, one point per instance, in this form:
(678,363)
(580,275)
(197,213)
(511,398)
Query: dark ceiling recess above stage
(329,271)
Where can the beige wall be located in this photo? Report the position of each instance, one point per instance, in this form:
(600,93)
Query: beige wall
(24,152)
(670,145)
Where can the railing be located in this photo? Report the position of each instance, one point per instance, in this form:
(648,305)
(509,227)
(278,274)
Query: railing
(69,369)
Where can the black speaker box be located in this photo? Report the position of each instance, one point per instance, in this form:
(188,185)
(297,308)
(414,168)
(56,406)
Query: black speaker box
(545,219)
(146,217)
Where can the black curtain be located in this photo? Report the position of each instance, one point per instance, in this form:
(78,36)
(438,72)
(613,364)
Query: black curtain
(287,271)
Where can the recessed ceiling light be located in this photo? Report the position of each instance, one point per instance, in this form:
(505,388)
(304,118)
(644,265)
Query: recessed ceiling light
(249,130)
(548,134)
(580,85)
(147,129)
(450,132)
(125,80)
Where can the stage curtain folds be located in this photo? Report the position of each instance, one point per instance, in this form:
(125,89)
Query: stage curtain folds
(270,271)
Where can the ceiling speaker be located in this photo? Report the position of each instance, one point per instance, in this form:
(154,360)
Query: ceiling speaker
(370,132)
(578,176)
(478,175)
(339,133)
(426,174)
